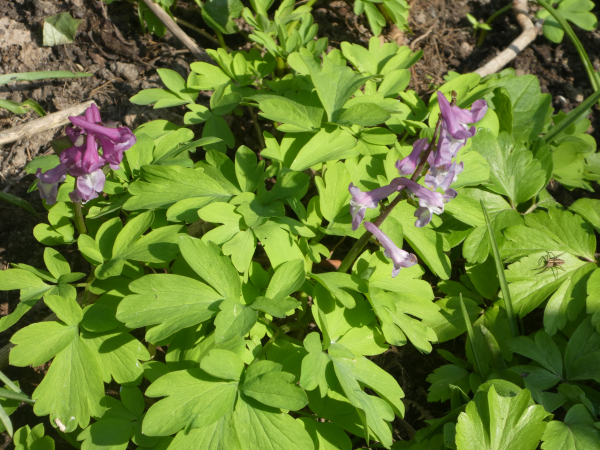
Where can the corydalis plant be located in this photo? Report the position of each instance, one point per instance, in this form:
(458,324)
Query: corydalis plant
(452,128)
(83,160)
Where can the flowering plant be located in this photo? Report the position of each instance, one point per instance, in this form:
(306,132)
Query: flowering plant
(237,301)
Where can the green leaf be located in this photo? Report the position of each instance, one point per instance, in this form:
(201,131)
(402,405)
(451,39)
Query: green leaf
(589,209)
(531,108)
(233,320)
(56,263)
(224,364)
(286,280)
(364,114)
(326,435)
(449,324)
(265,382)
(241,248)
(576,432)
(513,170)
(303,111)
(162,186)
(333,193)
(188,392)
(34,76)
(330,144)
(17,201)
(255,214)
(278,244)
(249,172)
(217,270)
(59,29)
(443,377)
(494,422)
(118,355)
(335,84)
(170,301)
(219,14)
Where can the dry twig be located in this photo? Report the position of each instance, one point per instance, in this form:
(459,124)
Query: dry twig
(45,123)
(530,32)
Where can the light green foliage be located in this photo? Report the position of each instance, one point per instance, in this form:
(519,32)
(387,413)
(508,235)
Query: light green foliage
(27,438)
(224,261)
(575,11)
(498,421)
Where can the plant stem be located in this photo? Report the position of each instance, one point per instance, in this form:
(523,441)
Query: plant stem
(7,381)
(575,114)
(589,68)
(491,19)
(222,41)
(79,220)
(199,31)
(362,241)
(512,321)
(471,336)
(259,134)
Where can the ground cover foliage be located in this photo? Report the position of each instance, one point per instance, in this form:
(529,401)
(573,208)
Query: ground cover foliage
(215,253)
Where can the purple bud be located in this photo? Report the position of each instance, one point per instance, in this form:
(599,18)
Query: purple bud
(48,182)
(408,165)
(360,201)
(455,119)
(399,257)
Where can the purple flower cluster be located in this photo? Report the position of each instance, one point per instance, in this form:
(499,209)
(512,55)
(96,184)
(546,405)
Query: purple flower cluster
(83,159)
(443,171)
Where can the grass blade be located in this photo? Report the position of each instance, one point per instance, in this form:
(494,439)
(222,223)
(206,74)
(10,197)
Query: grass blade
(582,109)
(471,336)
(512,320)
(5,393)
(17,201)
(33,76)
(6,421)
(9,383)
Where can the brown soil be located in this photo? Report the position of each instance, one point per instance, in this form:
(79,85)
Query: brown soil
(110,45)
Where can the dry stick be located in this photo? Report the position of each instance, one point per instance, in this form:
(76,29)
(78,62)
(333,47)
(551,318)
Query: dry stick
(45,123)
(530,32)
(198,52)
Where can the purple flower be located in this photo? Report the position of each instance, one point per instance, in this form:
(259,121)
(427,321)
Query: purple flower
(408,165)
(430,202)
(360,201)
(88,186)
(443,176)
(399,257)
(455,120)
(48,182)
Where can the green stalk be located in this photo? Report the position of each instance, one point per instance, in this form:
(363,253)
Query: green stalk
(5,393)
(6,421)
(512,320)
(490,20)
(7,381)
(471,336)
(586,105)
(79,220)
(222,41)
(589,68)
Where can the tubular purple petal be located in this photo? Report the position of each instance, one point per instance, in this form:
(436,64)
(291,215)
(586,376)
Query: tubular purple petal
(455,118)
(408,165)
(48,182)
(399,257)
(360,201)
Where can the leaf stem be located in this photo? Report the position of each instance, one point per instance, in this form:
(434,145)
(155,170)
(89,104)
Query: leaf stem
(512,321)
(490,20)
(199,31)
(575,114)
(79,220)
(259,134)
